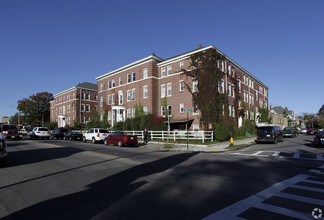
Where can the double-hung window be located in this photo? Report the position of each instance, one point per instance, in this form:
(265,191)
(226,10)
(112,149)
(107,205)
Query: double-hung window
(134,76)
(128,78)
(181,107)
(133,94)
(128,95)
(145,73)
(162,71)
(169,70)
(162,91)
(181,86)
(169,89)
(120,80)
(145,92)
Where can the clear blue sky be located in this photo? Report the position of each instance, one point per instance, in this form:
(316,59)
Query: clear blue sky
(53,45)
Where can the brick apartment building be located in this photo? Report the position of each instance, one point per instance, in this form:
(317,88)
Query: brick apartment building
(67,107)
(151,79)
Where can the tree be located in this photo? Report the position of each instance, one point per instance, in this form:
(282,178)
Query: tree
(206,77)
(321,112)
(36,109)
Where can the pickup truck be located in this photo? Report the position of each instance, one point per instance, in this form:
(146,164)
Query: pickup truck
(290,132)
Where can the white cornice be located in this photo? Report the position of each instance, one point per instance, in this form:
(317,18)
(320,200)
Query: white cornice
(131,65)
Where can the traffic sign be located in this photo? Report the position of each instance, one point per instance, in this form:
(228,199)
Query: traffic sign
(187,110)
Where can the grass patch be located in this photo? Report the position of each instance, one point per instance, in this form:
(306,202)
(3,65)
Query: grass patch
(167,147)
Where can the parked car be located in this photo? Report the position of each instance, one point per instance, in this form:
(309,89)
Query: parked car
(23,130)
(40,132)
(73,136)
(269,134)
(58,133)
(11,131)
(3,150)
(120,138)
(290,132)
(319,139)
(303,131)
(311,130)
(95,135)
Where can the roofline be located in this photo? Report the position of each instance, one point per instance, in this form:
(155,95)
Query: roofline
(73,88)
(145,59)
(186,55)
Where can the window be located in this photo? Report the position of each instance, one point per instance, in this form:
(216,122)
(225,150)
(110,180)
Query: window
(109,84)
(162,91)
(133,94)
(162,71)
(128,92)
(101,88)
(229,89)
(133,112)
(101,101)
(96,97)
(109,115)
(145,109)
(145,73)
(239,85)
(163,111)
(120,97)
(222,86)
(82,108)
(109,99)
(134,76)
(87,108)
(169,70)
(233,111)
(181,107)
(128,113)
(233,91)
(113,99)
(194,85)
(195,110)
(223,66)
(145,92)
(229,110)
(74,93)
(229,69)
(169,89)
(88,96)
(73,109)
(120,80)
(170,110)
(113,83)
(181,86)
(181,65)
(128,78)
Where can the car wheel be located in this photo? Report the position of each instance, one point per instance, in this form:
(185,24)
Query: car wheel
(84,139)
(106,142)
(71,139)
(119,144)
(93,140)
(275,141)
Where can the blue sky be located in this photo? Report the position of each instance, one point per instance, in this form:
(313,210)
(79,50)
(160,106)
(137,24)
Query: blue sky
(53,45)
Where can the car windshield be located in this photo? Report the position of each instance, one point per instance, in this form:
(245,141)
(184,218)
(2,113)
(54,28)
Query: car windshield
(288,128)
(103,131)
(264,130)
(43,129)
(7,127)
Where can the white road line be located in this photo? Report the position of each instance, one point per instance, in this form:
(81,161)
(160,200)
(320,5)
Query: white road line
(232,211)
(301,198)
(257,153)
(283,211)
(316,171)
(308,188)
(319,157)
(313,181)
(276,154)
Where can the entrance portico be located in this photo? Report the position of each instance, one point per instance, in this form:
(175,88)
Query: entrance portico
(118,114)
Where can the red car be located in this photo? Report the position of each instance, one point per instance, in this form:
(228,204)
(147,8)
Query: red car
(11,131)
(120,138)
(311,131)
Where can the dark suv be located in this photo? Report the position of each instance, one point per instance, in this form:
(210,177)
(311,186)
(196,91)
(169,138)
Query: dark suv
(3,151)
(11,131)
(59,133)
(269,134)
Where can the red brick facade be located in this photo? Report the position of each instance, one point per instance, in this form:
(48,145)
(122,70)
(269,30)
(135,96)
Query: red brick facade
(164,80)
(67,107)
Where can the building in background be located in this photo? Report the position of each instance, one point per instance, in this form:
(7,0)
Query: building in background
(77,104)
(292,120)
(151,79)
(5,120)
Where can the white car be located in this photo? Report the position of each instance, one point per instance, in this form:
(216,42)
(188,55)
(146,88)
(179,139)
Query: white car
(95,135)
(3,152)
(40,132)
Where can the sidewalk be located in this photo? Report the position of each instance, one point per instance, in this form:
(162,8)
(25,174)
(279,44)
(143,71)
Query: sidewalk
(220,147)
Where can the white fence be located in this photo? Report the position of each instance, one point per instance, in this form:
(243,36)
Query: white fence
(176,135)
(173,135)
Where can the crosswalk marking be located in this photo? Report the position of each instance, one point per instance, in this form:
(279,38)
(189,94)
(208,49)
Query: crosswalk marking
(258,200)
(293,155)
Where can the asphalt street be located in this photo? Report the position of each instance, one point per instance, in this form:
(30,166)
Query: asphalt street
(56,179)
